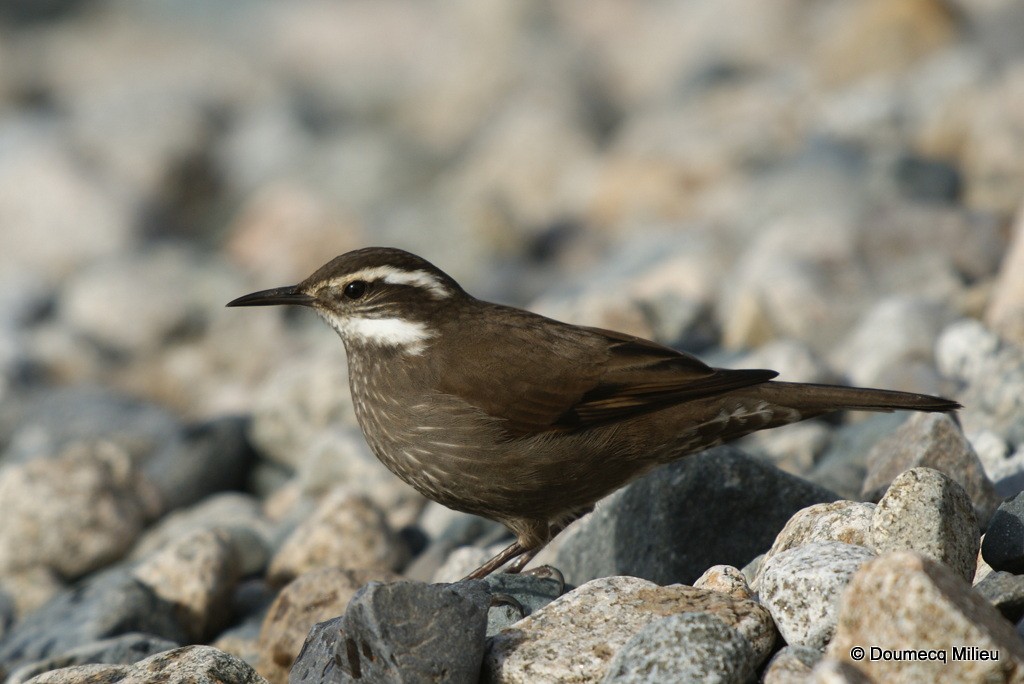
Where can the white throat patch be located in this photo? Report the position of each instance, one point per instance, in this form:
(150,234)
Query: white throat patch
(409,336)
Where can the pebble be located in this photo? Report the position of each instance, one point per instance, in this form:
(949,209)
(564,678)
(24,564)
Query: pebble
(686,647)
(240,513)
(576,638)
(843,466)
(848,522)
(121,650)
(185,665)
(1005,591)
(725,579)
(197,574)
(346,531)
(1004,539)
(903,600)
(927,512)
(106,605)
(933,440)
(673,524)
(399,632)
(312,597)
(801,589)
(791,665)
(97,504)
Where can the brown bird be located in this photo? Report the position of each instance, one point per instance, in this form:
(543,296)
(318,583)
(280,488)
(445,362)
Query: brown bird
(522,419)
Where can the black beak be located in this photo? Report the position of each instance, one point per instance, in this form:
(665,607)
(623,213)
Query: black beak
(279,295)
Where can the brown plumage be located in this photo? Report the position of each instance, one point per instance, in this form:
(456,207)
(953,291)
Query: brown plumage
(516,417)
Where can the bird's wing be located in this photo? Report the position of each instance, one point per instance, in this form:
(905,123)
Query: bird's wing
(542,375)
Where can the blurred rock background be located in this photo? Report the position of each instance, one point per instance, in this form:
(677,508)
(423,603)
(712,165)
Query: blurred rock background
(825,188)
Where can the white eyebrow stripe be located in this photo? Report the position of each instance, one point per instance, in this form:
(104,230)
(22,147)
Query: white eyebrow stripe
(396,276)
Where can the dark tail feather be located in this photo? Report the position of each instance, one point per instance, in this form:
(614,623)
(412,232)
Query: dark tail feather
(811,398)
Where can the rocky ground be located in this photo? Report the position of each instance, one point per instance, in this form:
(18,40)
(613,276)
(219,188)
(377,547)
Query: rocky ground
(829,189)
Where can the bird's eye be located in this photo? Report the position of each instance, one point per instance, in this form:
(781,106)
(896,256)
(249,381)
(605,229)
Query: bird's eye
(355,289)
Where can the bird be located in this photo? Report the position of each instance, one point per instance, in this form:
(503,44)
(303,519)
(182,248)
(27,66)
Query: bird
(528,421)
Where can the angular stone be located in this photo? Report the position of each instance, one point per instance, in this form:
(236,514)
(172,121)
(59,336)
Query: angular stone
(122,650)
(400,632)
(106,605)
(312,597)
(575,638)
(933,440)
(197,574)
(209,458)
(1004,539)
(688,647)
(346,531)
(186,665)
(801,589)
(74,513)
(904,600)
(673,524)
(927,512)
(1005,591)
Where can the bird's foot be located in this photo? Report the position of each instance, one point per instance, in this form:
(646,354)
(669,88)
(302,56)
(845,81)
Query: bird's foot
(548,572)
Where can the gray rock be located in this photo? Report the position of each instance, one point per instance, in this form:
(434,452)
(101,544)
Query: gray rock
(936,441)
(48,421)
(801,589)
(400,632)
(96,504)
(927,512)
(1005,591)
(791,665)
(122,650)
(208,458)
(1003,548)
(575,638)
(674,523)
(532,593)
(902,599)
(320,655)
(106,605)
(688,647)
(311,598)
(185,665)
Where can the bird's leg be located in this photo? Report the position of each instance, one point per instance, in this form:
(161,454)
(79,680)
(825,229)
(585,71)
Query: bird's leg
(511,551)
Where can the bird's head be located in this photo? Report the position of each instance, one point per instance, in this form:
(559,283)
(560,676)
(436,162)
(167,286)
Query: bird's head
(375,296)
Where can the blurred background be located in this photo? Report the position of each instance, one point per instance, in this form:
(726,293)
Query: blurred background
(713,173)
